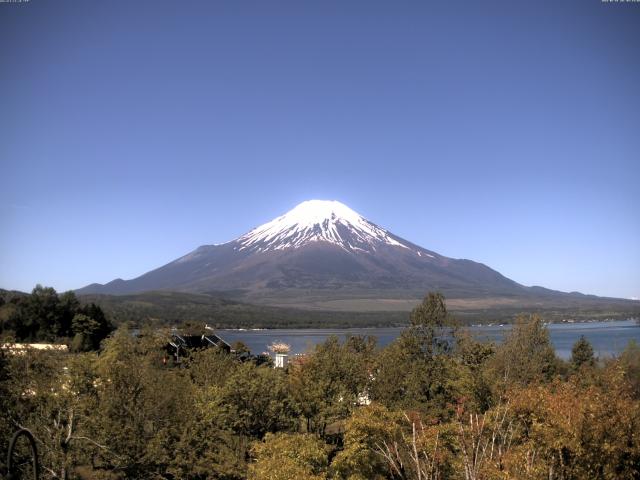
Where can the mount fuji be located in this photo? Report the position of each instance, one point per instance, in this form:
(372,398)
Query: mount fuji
(322,254)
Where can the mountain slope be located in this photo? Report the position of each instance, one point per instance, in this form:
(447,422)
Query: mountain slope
(322,251)
(173,308)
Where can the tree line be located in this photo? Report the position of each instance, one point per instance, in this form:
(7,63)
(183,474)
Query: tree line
(46,316)
(427,406)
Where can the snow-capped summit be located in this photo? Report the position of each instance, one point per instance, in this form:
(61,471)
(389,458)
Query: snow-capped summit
(317,221)
(322,254)
(322,250)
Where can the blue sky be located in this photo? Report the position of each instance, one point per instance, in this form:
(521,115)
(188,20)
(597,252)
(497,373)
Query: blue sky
(501,131)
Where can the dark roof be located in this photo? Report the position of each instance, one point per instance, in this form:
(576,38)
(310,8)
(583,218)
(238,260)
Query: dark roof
(179,340)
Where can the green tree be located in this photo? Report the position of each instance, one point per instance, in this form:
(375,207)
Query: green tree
(53,395)
(206,448)
(139,417)
(382,444)
(95,311)
(417,370)
(89,328)
(86,331)
(253,401)
(206,451)
(411,374)
(240,347)
(582,354)
(629,362)
(68,306)
(526,354)
(366,431)
(39,315)
(474,356)
(286,456)
(431,312)
(7,402)
(46,316)
(328,383)
(428,322)
(211,366)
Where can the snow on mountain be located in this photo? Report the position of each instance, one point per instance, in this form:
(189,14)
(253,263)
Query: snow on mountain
(319,248)
(322,254)
(317,221)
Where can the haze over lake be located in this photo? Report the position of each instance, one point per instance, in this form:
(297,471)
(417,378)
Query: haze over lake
(607,338)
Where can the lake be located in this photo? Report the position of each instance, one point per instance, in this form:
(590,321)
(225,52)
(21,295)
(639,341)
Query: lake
(607,338)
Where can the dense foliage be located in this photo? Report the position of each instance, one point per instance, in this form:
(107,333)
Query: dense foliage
(227,310)
(45,316)
(428,406)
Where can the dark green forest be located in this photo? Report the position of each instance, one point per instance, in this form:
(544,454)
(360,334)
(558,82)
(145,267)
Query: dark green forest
(424,407)
(45,316)
(162,309)
(174,308)
(168,309)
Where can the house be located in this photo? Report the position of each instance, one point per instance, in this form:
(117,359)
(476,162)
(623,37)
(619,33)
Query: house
(181,344)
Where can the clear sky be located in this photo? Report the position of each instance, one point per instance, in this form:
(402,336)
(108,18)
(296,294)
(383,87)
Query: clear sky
(507,132)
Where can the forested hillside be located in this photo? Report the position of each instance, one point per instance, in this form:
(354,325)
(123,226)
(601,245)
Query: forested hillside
(174,308)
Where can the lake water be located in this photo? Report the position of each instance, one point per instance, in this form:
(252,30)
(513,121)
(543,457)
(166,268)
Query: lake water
(607,338)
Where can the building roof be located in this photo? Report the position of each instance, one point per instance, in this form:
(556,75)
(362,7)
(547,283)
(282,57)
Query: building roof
(208,339)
